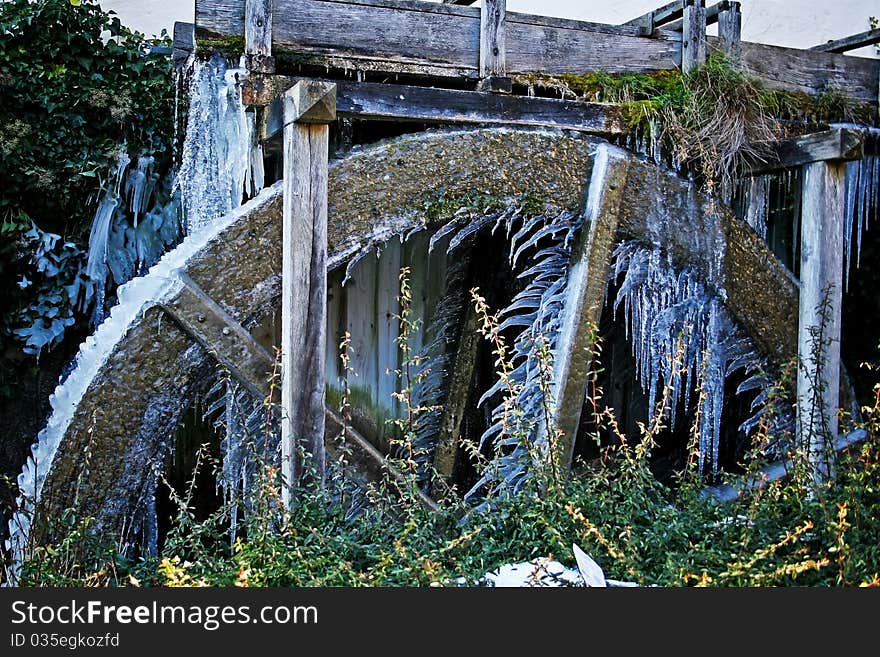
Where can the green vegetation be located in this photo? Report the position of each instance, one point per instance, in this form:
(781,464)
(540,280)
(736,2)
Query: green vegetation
(788,532)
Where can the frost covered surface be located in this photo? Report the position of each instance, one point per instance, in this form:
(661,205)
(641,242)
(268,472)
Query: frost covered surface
(222,160)
(160,284)
(862,182)
(684,339)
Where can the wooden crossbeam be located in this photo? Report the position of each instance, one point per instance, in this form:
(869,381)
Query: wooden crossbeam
(205,321)
(853,42)
(713,14)
(834,144)
(390,102)
(653,19)
(459,2)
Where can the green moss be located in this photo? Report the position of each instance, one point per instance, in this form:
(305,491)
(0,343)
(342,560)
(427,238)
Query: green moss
(444,208)
(228,46)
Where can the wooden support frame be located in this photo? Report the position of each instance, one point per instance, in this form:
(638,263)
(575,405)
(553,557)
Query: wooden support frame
(377,35)
(713,15)
(308,108)
(591,258)
(647,23)
(819,311)
(860,40)
(693,36)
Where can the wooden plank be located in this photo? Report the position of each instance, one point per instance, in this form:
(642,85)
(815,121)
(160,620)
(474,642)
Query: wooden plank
(860,40)
(361,316)
(730,31)
(834,144)
(207,323)
(304,294)
(810,71)
(693,35)
(819,312)
(258,36)
(587,283)
(388,324)
(458,2)
(378,35)
(713,14)
(390,102)
(493,48)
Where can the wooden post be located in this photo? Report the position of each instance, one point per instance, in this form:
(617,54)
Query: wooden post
(258,36)
(730,31)
(693,36)
(493,48)
(309,107)
(821,271)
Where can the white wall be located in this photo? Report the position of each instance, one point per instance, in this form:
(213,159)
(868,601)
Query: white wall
(795,23)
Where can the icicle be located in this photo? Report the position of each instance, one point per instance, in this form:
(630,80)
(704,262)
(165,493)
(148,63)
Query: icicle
(680,335)
(219,157)
(139,186)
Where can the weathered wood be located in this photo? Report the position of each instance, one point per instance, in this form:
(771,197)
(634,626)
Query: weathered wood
(304,288)
(730,30)
(588,278)
(258,36)
(693,36)
(653,19)
(205,321)
(379,35)
(361,316)
(713,13)
(493,49)
(184,43)
(311,101)
(819,311)
(389,102)
(810,71)
(834,144)
(459,2)
(458,392)
(853,42)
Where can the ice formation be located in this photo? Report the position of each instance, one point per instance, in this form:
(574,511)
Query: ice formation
(222,161)
(684,339)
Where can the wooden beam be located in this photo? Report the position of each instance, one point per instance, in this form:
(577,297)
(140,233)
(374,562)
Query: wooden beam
(653,19)
(588,279)
(258,36)
(390,102)
(853,42)
(304,284)
(380,35)
(493,48)
(693,36)
(220,334)
(713,14)
(834,144)
(819,312)
(730,31)
(459,2)
(377,35)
